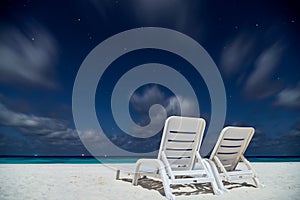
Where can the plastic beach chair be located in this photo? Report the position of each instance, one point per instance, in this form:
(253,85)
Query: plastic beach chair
(178,154)
(228,155)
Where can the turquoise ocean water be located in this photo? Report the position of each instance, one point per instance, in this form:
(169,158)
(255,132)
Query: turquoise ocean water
(63,160)
(92,160)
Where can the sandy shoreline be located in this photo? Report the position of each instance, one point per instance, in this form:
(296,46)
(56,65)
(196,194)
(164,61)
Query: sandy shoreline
(97,181)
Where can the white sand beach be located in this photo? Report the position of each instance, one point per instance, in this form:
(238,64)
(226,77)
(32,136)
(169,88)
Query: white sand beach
(97,181)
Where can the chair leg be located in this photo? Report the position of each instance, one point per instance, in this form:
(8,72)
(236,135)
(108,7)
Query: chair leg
(166,184)
(162,172)
(118,175)
(257,183)
(135,178)
(216,184)
(136,175)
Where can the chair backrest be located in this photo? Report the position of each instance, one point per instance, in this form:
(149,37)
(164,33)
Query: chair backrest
(232,143)
(181,139)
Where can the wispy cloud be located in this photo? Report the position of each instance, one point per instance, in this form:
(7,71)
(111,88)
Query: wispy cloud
(142,102)
(48,135)
(288,143)
(257,73)
(150,11)
(260,84)
(289,98)
(98,144)
(38,134)
(188,106)
(28,55)
(254,64)
(102,7)
(237,54)
(55,136)
(50,129)
(172,14)
(153,95)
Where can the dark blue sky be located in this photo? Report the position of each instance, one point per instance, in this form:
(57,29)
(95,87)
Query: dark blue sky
(254,44)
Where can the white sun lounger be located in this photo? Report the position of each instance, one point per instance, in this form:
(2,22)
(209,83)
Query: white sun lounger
(178,154)
(228,157)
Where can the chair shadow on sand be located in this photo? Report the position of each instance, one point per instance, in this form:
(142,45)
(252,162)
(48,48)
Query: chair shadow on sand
(233,185)
(195,189)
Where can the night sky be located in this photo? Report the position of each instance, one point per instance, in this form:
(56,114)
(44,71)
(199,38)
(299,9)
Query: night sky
(254,44)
